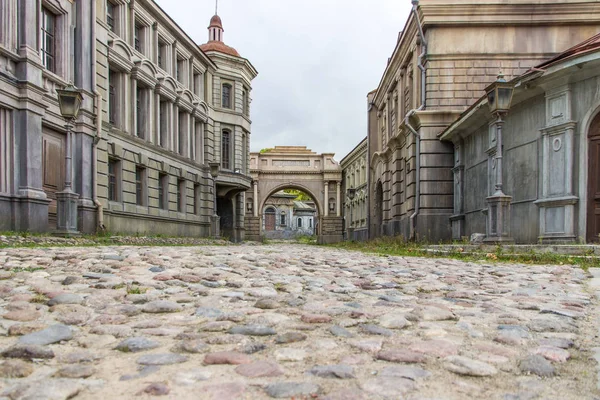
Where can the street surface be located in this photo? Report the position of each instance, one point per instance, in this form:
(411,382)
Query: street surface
(290,321)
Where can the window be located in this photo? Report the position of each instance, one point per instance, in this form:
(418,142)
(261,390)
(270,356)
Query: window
(113,179)
(164,124)
(198,84)
(310,223)
(181,195)
(163,187)
(226,95)
(138,32)
(225,149)
(110,15)
(180,71)
(140,186)
(112,97)
(162,54)
(48,45)
(299,222)
(196,199)
(245,102)
(282,220)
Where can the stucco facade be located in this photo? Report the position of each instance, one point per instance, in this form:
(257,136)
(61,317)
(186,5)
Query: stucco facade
(447,53)
(154,115)
(354,176)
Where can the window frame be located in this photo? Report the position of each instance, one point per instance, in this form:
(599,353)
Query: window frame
(139,32)
(114,180)
(111,19)
(226,148)
(163,191)
(48,15)
(226,101)
(181,196)
(141,179)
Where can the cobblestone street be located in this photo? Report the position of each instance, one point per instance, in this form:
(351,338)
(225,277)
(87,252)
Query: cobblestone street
(290,321)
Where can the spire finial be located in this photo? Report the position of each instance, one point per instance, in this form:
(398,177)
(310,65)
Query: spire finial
(216,7)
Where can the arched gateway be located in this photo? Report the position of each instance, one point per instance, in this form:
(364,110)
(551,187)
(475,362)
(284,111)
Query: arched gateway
(296,167)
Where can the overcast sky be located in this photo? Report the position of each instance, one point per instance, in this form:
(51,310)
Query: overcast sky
(316,62)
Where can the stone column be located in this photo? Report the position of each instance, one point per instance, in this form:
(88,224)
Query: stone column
(174,131)
(157,121)
(133,103)
(33,204)
(255,198)
(155,49)
(338,199)
(326,202)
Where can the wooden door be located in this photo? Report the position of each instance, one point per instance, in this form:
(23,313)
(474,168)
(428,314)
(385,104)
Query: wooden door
(593,215)
(53,166)
(270,220)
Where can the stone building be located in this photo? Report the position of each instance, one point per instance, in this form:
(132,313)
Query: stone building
(157,109)
(550,141)
(447,53)
(354,176)
(285,217)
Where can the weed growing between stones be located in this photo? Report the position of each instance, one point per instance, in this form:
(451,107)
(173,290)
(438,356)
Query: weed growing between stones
(397,246)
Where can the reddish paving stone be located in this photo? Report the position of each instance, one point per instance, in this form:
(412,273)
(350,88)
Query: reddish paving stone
(401,356)
(316,318)
(222,391)
(260,369)
(22,315)
(227,357)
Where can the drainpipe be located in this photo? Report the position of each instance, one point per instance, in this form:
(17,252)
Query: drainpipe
(98,136)
(413,217)
(423,54)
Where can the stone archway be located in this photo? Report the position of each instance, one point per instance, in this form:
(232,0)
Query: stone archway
(296,167)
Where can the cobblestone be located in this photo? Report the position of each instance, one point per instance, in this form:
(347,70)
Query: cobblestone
(283,321)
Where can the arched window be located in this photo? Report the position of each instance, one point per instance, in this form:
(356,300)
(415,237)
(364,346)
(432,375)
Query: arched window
(282,219)
(299,222)
(226,149)
(226,95)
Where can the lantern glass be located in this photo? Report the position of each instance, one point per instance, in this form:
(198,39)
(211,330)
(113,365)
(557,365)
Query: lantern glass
(505,94)
(499,95)
(69,101)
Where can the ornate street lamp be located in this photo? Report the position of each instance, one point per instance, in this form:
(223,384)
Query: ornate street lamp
(351,193)
(214,172)
(499,95)
(69,101)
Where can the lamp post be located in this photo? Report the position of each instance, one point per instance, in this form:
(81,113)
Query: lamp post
(499,95)
(69,101)
(351,192)
(214,172)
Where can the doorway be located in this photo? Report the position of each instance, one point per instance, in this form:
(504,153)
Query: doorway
(270,219)
(593,201)
(53,166)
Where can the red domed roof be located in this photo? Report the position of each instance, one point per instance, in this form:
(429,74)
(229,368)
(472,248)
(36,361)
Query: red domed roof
(221,47)
(215,21)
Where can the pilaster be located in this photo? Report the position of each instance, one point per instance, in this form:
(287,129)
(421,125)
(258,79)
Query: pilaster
(557,201)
